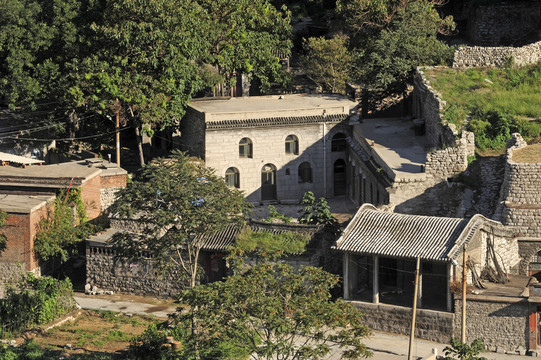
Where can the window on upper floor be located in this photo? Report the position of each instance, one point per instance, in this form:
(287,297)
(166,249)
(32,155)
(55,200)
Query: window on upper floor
(232,177)
(245,148)
(305,173)
(338,142)
(292,145)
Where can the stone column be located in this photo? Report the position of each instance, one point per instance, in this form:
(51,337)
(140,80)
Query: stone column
(346,275)
(448,287)
(375,280)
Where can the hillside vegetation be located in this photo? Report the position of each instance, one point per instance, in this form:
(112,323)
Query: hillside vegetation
(493,103)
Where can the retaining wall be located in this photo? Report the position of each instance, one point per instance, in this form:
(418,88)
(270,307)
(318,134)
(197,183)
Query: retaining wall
(479,56)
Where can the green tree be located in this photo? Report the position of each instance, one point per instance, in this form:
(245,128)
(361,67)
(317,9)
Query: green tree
(145,63)
(391,38)
(61,232)
(273,311)
(246,37)
(175,200)
(462,351)
(327,62)
(3,222)
(315,211)
(37,39)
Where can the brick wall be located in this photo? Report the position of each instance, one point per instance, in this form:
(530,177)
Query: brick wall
(113,181)
(91,196)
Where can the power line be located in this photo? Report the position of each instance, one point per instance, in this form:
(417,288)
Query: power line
(69,139)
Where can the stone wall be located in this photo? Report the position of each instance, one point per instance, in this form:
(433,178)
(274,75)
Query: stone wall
(478,56)
(108,197)
(504,23)
(140,278)
(502,323)
(450,153)
(527,247)
(314,141)
(520,194)
(430,325)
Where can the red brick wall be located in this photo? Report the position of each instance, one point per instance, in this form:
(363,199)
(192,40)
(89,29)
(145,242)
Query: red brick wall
(113,181)
(91,195)
(20,231)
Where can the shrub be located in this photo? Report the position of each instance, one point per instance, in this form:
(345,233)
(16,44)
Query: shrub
(35,301)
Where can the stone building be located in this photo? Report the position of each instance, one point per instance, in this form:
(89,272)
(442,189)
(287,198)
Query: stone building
(274,148)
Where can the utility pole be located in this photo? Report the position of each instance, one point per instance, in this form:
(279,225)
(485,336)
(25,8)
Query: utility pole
(464,278)
(414,312)
(118,133)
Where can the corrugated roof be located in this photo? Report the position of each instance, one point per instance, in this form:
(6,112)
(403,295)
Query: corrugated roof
(274,121)
(372,231)
(10,158)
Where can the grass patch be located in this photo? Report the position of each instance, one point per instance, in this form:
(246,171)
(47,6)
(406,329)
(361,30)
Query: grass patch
(528,154)
(498,101)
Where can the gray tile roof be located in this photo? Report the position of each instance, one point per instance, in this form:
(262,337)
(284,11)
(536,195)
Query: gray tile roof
(273,121)
(222,240)
(373,231)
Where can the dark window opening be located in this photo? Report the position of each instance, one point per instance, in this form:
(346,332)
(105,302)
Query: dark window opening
(305,173)
(245,148)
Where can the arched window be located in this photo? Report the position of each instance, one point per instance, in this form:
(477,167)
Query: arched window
(245,148)
(305,173)
(232,177)
(292,145)
(338,142)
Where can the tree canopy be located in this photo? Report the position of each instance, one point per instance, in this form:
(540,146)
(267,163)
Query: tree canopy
(391,38)
(327,62)
(175,200)
(273,311)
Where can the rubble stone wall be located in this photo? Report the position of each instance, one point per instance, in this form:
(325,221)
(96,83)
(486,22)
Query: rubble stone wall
(139,278)
(520,193)
(430,325)
(504,23)
(478,56)
(502,324)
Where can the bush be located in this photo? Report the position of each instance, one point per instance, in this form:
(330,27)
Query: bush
(35,301)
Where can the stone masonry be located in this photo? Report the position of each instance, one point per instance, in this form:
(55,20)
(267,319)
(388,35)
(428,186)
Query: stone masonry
(502,323)
(520,195)
(478,56)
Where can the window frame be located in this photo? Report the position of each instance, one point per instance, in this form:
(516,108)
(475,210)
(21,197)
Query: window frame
(292,140)
(246,148)
(233,174)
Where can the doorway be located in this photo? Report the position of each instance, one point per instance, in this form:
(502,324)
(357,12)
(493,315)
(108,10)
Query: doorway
(268,182)
(339,177)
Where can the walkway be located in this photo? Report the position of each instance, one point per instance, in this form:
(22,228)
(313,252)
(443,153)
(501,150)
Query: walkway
(385,346)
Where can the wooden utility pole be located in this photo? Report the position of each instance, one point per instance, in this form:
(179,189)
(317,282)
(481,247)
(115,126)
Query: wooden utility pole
(414,312)
(464,278)
(118,133)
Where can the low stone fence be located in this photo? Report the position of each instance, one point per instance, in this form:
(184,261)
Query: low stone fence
(502,323)
(478,56)
(430,324)
(140,278)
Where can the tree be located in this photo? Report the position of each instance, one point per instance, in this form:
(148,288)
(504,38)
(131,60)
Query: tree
(327,62)
(246,37)
(145,64)
(391,38)
(37,39)
(273,311)
(464,351)
(315,211)
(175,200)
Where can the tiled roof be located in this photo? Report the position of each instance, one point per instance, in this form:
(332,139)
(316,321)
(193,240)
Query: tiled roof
(222,240)
(372,231)
(274,121)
